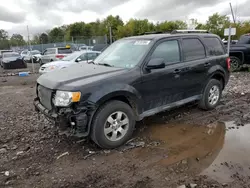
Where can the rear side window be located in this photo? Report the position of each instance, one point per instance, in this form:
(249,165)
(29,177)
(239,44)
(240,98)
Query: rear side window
(193,49)
(215,47)
(50,51)
(64,51)
(169,51)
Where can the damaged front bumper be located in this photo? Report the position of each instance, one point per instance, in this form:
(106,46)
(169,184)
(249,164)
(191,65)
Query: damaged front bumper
(72,122)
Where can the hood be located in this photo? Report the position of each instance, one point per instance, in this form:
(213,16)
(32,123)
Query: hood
(76,76)
(57,63)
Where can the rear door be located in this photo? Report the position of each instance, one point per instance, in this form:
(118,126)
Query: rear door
(196,63)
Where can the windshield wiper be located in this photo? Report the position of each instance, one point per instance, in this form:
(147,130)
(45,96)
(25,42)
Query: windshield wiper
(91,62)
(105,64)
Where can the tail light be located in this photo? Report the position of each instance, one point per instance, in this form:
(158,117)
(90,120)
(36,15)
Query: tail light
(228,63)
(59,56)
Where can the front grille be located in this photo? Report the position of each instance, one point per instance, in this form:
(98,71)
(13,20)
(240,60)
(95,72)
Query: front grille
(44,95)
(42,68)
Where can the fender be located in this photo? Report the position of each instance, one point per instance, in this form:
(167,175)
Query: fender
(217,70)
(117,90)
(238,52)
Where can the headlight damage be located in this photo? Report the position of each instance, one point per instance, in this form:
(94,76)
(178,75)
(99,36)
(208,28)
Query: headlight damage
(65,98)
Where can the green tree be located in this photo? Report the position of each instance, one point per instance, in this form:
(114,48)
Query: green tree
(56,34)
(171,25)
(4,42)
(17,40)
(217,23)
(114,22)
(43,38)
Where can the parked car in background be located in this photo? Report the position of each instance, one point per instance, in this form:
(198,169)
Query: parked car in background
(1,55)
(72,59)
(28,55)
(89,48)
(100,47)
(13,60)
(54,54)
(240,52)
(134,78)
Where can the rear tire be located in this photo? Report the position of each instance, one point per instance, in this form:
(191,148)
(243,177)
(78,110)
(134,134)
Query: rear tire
(235,63)
(211,95)
(113,125)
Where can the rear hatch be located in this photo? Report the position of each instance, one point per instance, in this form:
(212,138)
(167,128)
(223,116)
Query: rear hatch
(63,52)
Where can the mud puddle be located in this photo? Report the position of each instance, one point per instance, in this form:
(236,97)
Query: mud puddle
(233,161)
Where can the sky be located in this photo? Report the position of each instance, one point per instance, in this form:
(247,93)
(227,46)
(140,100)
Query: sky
(42,15)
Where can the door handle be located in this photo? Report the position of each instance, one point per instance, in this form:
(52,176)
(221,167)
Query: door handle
(177,71)
(207,64)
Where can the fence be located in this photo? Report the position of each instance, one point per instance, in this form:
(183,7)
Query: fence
(75,43)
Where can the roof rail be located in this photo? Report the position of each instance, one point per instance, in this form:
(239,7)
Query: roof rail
(175,32)
(156,32)
(152,32)
(189,31)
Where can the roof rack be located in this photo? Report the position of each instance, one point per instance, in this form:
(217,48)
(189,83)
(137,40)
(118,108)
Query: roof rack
(175,32)
(156,32)
(189,31)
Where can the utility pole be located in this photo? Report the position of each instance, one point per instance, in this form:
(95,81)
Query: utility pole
(110,34)
(232,13)
(230,30)
(33,69)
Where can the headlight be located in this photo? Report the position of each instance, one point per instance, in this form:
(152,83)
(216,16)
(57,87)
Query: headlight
(65,98)
(51,67)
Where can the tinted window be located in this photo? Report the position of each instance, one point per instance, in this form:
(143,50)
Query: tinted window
(6,55)
(168,50)
(92,56)
(244,39)
(192,49)
(83,57)
(64,51)
(214,46)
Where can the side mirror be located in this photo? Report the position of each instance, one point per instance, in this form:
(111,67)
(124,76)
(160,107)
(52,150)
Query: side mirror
(78,59)
(156,63)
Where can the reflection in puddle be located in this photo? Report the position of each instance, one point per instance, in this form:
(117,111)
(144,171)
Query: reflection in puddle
(220,150)
(233,160)
(182,141)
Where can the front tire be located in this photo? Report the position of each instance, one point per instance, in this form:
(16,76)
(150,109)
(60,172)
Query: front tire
(113,125)
(211,95)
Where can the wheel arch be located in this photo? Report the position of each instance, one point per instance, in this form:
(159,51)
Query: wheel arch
(239,55)
(125,96)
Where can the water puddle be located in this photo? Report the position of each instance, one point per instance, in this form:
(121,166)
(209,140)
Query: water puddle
(220,150)
(182,141)
(233,160)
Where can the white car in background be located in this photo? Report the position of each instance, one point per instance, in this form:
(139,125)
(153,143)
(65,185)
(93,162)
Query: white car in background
(72,59)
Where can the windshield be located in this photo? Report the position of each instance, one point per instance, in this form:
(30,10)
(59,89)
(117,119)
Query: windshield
(71,57)
(124,53)
(10,55)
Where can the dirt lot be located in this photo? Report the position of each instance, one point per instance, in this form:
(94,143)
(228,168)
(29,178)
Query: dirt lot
(185,147)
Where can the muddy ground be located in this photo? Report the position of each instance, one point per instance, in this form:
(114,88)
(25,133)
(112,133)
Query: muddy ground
(185,147)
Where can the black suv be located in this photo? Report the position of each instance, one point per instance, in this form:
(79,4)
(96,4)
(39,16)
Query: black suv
(134,78)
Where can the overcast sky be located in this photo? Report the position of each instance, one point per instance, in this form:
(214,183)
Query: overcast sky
(42,15)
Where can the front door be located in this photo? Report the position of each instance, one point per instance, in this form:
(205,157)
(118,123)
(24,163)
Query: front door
(163,86)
